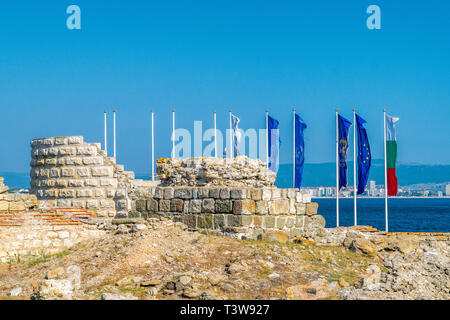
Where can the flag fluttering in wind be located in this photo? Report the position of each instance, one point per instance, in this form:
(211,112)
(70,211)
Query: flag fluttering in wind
(300,125)
(364,156)
(236,134)
(391,155)
(343,125)
(274,143)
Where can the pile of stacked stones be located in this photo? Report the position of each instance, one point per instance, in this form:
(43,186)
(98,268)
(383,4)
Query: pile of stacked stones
(207,171)
(3,188)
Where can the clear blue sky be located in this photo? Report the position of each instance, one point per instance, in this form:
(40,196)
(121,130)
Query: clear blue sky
(200,56)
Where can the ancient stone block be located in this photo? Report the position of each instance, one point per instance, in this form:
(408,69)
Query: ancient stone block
(107,204)
(244,206)
(208,205)
(73,183)
(224,193)
(202,193)
(152,205)
(75,140)
(190,220)
(141,205)
(67,193)
(176,205)
(278,207)
(292,209)
(223,206)
(280,222)
(300,208)
(67,172)
(257,221)
(311,208)
(238,193)
(195,206)
(168,193)
(164,205)
(269,221)
(266,194)
(91,182)
(291,192)
(102,171)
(91,204)
(256,194)
(204,221)
(214,193)
(276,194)
(159,193)
(183,193)
(262,207)
(83,193)
(218,221)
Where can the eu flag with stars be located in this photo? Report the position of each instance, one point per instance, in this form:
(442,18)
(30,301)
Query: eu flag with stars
(364,156)
(300,125)
(343,126)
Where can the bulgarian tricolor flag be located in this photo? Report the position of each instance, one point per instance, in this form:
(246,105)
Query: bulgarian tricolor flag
(391,155)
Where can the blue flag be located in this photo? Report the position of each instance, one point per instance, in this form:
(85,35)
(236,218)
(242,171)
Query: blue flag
(343,127)
(364,156)
(300,125)
(274,143)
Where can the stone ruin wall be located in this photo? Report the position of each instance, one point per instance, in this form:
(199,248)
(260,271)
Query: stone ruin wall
(230,197)
(244,213)
(68,172)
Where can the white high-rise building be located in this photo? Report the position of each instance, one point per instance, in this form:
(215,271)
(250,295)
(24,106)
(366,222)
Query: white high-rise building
(447,190)
(372,188)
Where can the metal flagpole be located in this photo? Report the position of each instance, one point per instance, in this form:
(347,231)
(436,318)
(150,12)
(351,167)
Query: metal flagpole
(215,136)
(231,138)
(153,149)
(106,137)
(337,169)
(173,133)
(114,129)
(267,139)
(385,174)
(293,150)
(354,165)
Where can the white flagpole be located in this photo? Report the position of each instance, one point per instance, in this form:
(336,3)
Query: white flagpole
(153,149)
(106,136)
(293,150)
(385,175)
(337,169)
(114,129)
(354,165)
(173,133)
(267,139)
(215,136)
(231,138)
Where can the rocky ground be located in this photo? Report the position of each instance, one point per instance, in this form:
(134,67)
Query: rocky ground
(162,260)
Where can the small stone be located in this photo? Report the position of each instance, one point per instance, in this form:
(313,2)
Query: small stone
(151,283)
(185,280)
(15,292)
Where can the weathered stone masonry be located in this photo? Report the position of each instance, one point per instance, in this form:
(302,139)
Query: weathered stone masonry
(251,213)
(68,172)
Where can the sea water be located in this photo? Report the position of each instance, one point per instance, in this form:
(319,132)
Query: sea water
(405,214)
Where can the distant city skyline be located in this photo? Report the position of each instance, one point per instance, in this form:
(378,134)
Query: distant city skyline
(138,56)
